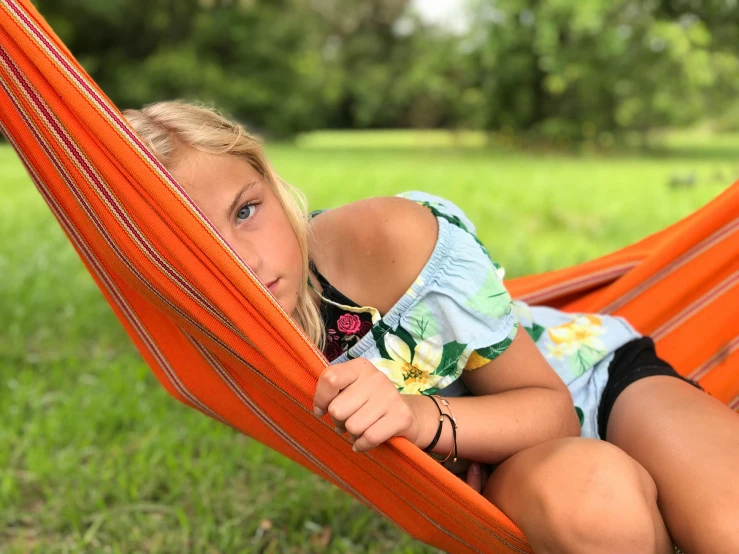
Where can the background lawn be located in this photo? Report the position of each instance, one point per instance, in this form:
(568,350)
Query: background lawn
(96,457)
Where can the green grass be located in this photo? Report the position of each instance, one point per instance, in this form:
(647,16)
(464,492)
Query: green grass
(95,457)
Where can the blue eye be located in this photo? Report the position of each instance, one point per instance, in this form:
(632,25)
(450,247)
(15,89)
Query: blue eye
(246,211)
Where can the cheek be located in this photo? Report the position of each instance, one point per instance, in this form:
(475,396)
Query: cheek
(292,256)
(282,247)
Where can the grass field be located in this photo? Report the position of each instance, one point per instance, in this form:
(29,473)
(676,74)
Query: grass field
(95,457)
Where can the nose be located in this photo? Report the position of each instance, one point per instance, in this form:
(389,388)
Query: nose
(250,250)
(251,258)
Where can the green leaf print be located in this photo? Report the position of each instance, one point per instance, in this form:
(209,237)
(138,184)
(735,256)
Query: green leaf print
(450,358)
(379,330)
(535,331)
(407,338)
(421,328)
(492,352)
(580,415)
(491,299)
(454,220)
(585,358)
(422,321)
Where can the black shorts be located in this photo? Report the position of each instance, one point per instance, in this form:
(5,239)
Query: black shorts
(633,361)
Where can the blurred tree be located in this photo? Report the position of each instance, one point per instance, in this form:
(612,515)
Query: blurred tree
(261,62)
(364,41)
(721,17)
(587,69)
(558,68)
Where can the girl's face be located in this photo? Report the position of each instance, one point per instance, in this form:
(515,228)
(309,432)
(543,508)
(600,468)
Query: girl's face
(249,216)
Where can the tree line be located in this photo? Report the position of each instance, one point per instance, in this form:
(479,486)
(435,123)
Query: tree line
(554,68)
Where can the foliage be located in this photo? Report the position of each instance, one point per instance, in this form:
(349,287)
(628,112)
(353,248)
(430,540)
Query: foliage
(588,69)
(561,68)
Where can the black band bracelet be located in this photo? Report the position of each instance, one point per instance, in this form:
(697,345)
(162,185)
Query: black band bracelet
(438,431)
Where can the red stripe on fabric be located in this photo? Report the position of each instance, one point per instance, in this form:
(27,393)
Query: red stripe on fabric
(238,390)
(122,127)
(589,280)
(122,216)
(112,289)
(715,360)
(71,185)
(694,252)
(706,299)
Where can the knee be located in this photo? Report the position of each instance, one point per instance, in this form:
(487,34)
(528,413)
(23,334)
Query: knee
(611,505)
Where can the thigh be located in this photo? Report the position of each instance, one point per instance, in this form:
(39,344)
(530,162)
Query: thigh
(689,443)
(576,494)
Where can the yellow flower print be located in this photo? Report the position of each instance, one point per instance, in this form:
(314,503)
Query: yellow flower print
(577,342)
(411,377)
(583,331)
(559,351)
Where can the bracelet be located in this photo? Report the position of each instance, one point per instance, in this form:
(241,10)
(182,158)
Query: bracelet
(438,431)
(454,430)
(454,437)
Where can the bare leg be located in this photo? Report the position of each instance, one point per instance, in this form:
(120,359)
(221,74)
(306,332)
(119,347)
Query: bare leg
(689,444)
(580,496)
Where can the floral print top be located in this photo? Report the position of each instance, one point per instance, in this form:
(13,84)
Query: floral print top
(345,321)
(458,316)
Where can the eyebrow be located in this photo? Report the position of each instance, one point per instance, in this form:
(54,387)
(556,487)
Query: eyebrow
(235,203)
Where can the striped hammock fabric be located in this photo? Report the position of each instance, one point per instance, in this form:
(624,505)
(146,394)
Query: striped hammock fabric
(218,342)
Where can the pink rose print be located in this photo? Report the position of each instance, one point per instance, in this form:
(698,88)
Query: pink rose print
(365,327)
(349,323)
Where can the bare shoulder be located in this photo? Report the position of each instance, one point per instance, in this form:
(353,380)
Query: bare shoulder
(372,250)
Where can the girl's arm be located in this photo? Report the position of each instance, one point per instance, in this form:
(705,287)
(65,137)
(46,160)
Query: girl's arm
(524,403)
(519,402)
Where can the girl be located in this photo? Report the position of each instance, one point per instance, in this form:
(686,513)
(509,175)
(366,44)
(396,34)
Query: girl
(406,303)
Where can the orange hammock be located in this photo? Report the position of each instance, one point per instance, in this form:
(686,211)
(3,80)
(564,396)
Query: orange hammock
(218,342)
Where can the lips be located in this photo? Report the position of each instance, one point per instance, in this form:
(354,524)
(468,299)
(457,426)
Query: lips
(271,286)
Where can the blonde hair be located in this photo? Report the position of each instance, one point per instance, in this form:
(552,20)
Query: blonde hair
(168,127)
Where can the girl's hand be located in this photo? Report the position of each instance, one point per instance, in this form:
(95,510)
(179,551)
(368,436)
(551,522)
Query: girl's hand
(364,402)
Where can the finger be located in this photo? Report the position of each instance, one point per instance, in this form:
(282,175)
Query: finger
(365,415)
(377,433)
(347,403)
(330,383)
(474,477)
